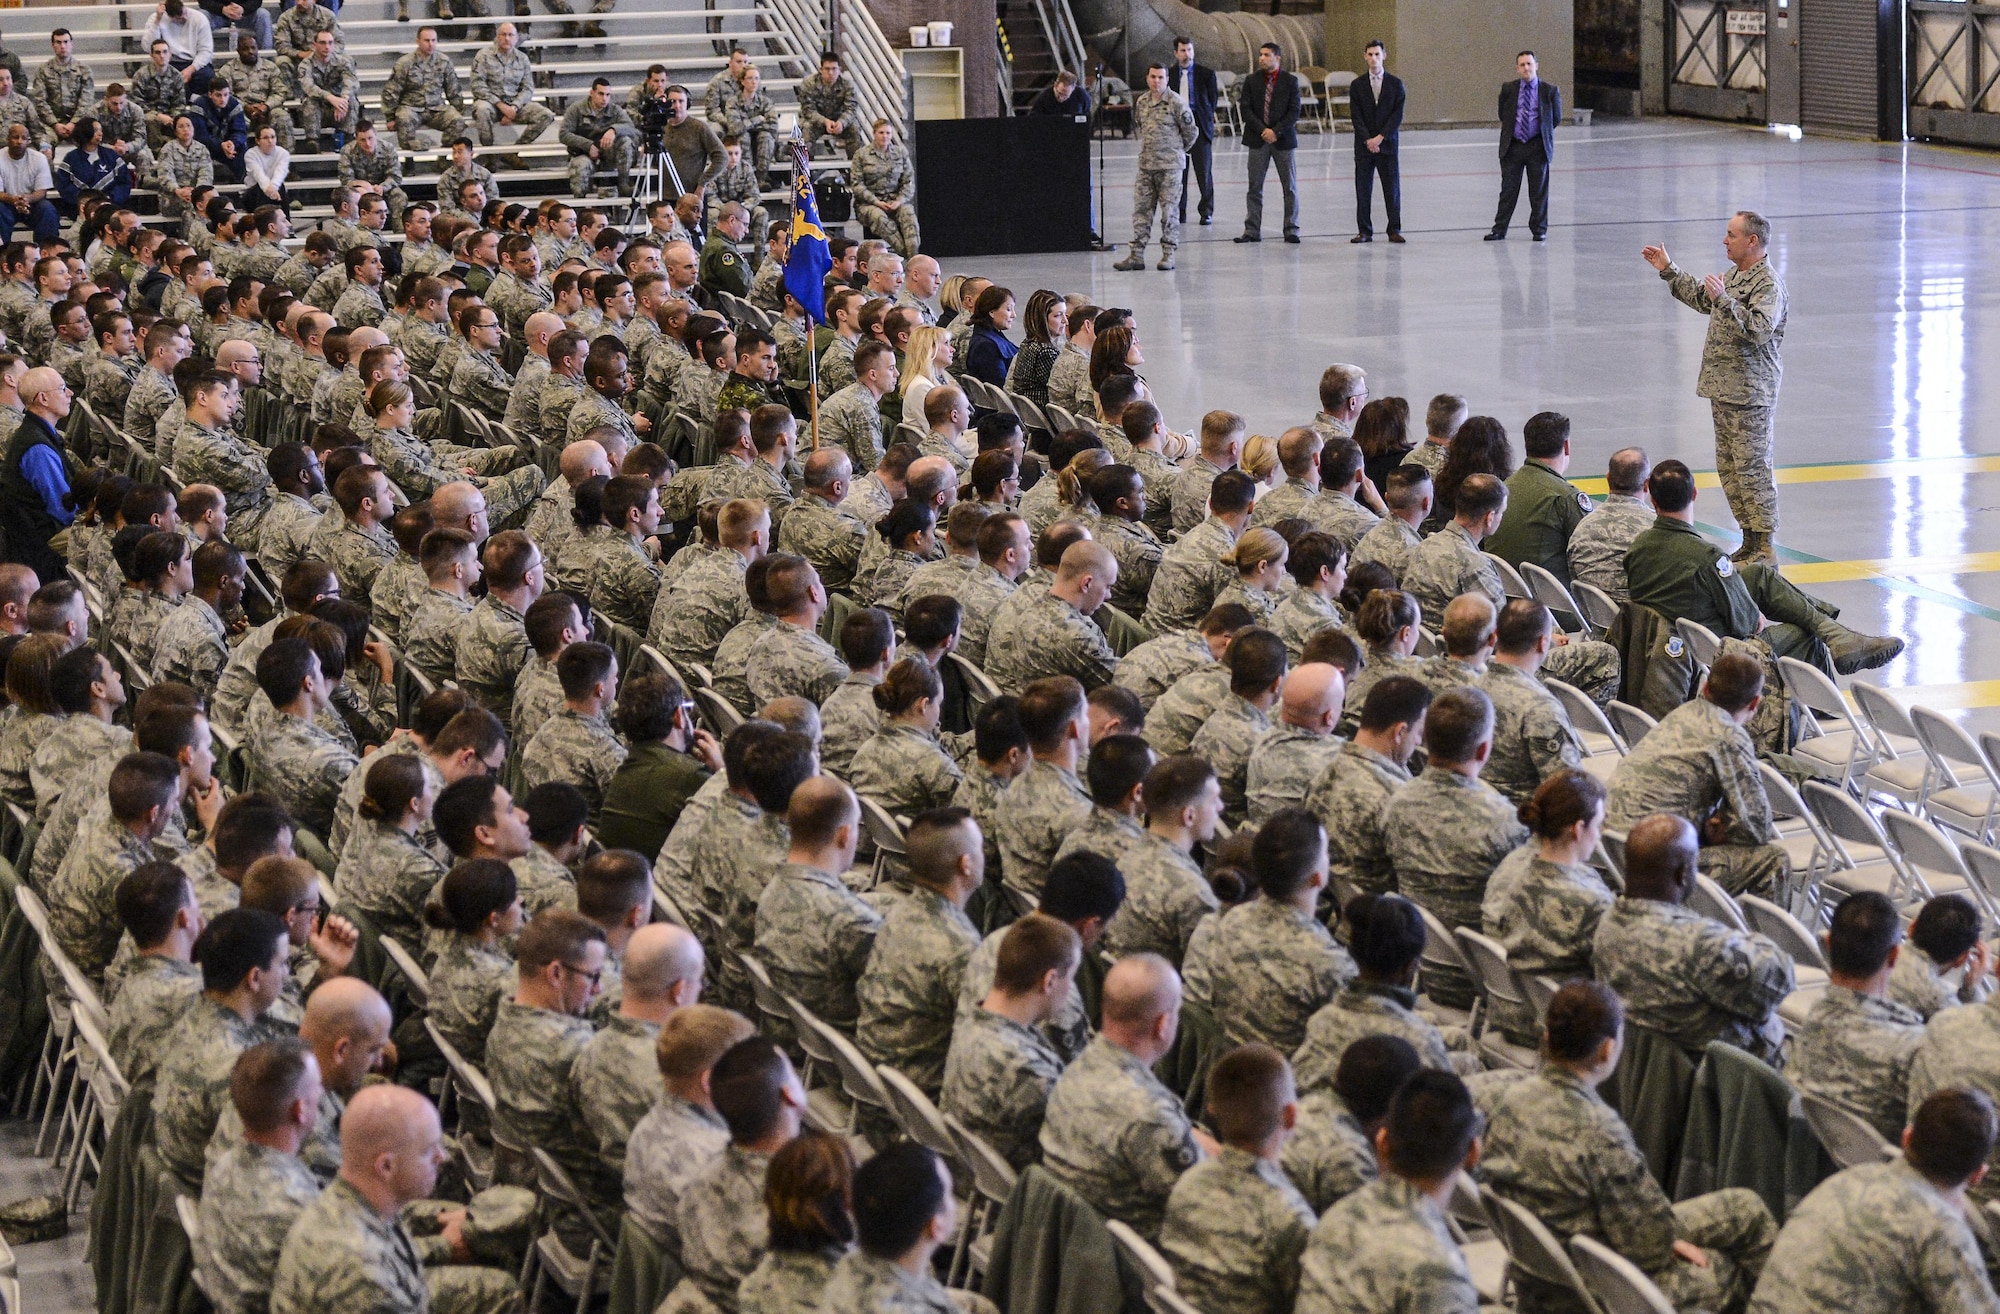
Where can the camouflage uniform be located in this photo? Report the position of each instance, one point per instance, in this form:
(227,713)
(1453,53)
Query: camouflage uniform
(997,1079)
(1532,735)
(1046,635)
(1554,1147)
(543,882)
(1918,983)
(1385,1247)
(731,667)
(82,898)
(266,82)
(723,1223)
(1692,979)
(1597,547)
(827,537)
(531,1056)
(1368,1008)
(788,1281)
(979,793)
(689,620)
(77,741)
(467,983)
(192,647)
(1153,667)
(903,769)
(1234,1231)
(1166,898)
(1043,804)
(947,578)
(250,1198)
(62,90)
(577,750)
(1138,551)
(848,719)
(1190,576)
(389,876)
(193,1085)
(1166,130)
(359,304)
(1262,969)
(1191,490)
(792,660)
(156,993)
(878,175)
(317,82)
(1740,374)
(1117,1137)
(1961,1047)
(146,400)
(815,935)
(303,766)
(1857,1050)
(1445,834)
(908,992)
(820,104)
(582,128)
(1226,739)
(1694,759)
(107,382)
(423,93)
(538,696)
(1285,763)
(594,410)
(1874,1237)
(673,1142)
(852,420)
(617,1082)
(1545,915)
(1449,563)
(1300,614)
(430,635)
(492,649)
(1381,664)
(892,570)
(735,852)
(356,552)
(229,462)
(1105,832)
(741,185)
(626,583)
(292,32)
(1329,1155)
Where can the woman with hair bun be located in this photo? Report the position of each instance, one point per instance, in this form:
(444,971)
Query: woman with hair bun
(808,1191)
(1259,560)
(384,873)
(478,910)
(902,766)
(1544,899)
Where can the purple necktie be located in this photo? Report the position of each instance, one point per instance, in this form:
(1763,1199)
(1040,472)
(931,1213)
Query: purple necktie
(1524,113)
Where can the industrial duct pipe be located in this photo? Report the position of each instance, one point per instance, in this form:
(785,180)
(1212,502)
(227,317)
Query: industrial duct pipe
(1130,34)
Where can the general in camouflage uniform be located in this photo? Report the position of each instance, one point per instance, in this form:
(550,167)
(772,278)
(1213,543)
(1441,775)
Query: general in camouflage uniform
(1692,979)
(1166,131)
(815,935)
(1446,833)
(997,1080)
(908,993)
(1388,1246)
(1545,915)
(1118,1137)
(1856,1049)
(883,171)
(576,749)
(1740,373)
(1598,545)
(1262,969)
(1234,1231)
(1696,758)
(422,92)
(1554,1147)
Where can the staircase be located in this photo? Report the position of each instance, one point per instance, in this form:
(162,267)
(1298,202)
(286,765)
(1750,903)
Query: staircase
(1042,36)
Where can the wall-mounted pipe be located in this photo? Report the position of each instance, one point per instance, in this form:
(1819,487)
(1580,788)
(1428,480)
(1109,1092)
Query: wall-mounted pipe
(1144,32)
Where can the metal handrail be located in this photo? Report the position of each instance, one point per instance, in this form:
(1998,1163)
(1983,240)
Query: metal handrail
(1059,27)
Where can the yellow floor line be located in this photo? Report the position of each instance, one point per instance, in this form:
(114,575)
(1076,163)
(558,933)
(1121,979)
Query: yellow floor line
(1942,563)
(1949,697)
(1919,468)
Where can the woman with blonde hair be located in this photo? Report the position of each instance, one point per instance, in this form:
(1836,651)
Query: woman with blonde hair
(1047,328)
(1260,462)
(902,767)
(927,360)
(809,1194)
(1259,560)
(1073,486)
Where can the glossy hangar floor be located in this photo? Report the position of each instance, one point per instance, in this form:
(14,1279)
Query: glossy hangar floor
(1887,442)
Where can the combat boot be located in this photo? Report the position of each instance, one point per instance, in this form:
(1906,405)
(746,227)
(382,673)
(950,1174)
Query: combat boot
(1166,260)
(1852,651)
(1757,546)
(1137,260)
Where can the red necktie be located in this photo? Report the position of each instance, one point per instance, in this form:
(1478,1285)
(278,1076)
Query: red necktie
(1270,85)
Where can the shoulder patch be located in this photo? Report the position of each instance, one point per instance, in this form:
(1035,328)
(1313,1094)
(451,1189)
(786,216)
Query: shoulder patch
(1676,648)
(1583,500)
(1725,567)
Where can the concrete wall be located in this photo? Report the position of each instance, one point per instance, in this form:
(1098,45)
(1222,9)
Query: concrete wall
(972,29)
(1453,54)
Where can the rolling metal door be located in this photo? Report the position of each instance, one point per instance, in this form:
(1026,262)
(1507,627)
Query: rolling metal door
(1839,67)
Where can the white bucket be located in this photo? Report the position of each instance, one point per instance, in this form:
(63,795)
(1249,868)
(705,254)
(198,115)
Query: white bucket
(940,34)
(920,36)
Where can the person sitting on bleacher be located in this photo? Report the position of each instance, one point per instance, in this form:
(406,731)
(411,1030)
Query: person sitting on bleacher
(221,127)
(190,43)
(423,93)
(379,164)
(92,165)
(828,106)
(503,92)
(329,93)
(161,93)
(598,133)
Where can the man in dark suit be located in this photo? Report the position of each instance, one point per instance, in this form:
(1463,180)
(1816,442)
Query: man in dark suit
(1270,107)
(1195,84)
(1529,108)
(1375,104)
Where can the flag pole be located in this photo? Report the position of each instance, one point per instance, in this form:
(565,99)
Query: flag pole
(805,269)
(812,381)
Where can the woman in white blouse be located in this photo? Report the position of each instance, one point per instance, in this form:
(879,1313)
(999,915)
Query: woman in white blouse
(932,345)
(266,166)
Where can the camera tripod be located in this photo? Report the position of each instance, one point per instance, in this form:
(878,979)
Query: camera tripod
(656,169)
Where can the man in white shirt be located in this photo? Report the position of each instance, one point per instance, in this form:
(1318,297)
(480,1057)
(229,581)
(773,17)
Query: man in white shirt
(190,43)
(25,185)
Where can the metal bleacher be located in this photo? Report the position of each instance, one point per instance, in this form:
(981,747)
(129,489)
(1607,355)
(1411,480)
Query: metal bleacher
(782,36)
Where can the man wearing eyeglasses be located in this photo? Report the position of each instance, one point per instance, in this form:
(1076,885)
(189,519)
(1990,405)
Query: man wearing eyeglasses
(536,1039)
(1343,391)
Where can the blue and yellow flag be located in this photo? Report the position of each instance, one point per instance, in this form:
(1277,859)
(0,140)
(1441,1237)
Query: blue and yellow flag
(806,266)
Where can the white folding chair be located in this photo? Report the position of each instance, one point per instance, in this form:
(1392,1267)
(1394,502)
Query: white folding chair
(1610,855)
(1716,903)
(1983,864)
(992,1185)
(1861,858)
(1600,609)
(1900,765)
(1930,860)
(917,1115)
(1551,593)
(1632,723)
(189,1215)
(1784,930)
(1510,579)
(1849,1138)
(1620,1285)
(1703,645)
(1600,738)
(1953,796)
(833,1112)
(419,981)
(1846,753)
(1442,954)
(1155,1273)
(770,1001)
(885,831)
(1534,1249)
(1497,981)
(580,1278)
(1799,831)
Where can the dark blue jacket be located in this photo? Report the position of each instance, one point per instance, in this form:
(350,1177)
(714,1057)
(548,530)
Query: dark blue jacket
(103,170)
(1200,92)
(214,126)
(1373,118)
(988,356)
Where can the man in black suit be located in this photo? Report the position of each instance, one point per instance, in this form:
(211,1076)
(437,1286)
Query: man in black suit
(1195,84)
(1529,108)
(1375,104)
(1270,107)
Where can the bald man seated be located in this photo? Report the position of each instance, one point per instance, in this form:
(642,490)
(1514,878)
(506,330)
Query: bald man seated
(1052,633)
(1113,1133)
(617,1077)
(349,1252)
(1292,754)
(551,522)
